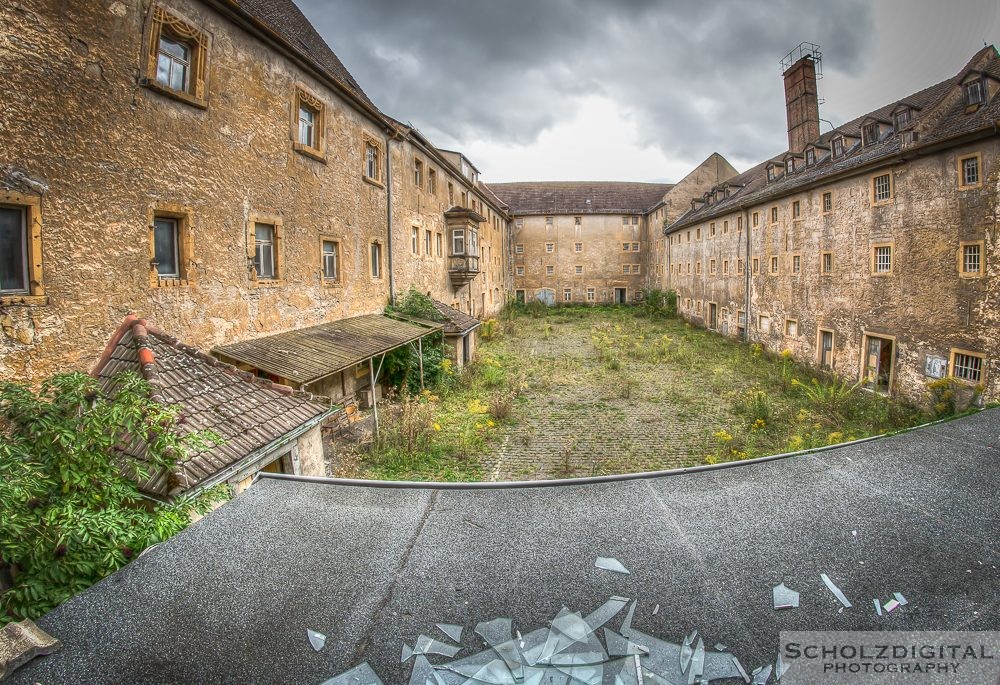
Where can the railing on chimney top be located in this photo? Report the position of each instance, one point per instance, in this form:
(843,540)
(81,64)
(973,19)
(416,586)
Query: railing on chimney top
(804,49)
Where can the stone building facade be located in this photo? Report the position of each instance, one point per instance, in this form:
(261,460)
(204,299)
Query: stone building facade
(870,250)
(210,165)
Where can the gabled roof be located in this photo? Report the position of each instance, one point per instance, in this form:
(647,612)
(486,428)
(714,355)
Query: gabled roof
(248,413)
(942,117)
(306,355)
(580,197)
(455,322)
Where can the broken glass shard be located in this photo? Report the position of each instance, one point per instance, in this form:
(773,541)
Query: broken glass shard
(626,628)
(406,653)
(451,630)
(656,610)
(697,667)
(544,676)
(742,671)
(784,597)
(511,657)
(422,672)
(589,674)
(623,672)
(359,675)
(780,667)
(494,632)
(317,640)
(899,598)
(484,668)
(763,675)
(605,612)
(428,645)
(611,564)
(835,590)
(620,646)
(719,647)
(890,605)
(878,606)
(687,651)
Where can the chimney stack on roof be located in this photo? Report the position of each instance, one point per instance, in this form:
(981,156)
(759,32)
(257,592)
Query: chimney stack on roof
(802,67)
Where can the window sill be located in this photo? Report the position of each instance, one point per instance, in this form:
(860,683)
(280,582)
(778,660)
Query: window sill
(882,203)
(970,276)
(13,300)
(973,187)
(268,282)
(332,283)
(310,152)
(373,182)
(171,283)
(181,96)
(885,274)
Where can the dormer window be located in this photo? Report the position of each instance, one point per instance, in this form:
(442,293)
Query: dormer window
(869,134)
(770,173)
(973,93)
(838,147)
(789,165)
(810,157)
(901,119)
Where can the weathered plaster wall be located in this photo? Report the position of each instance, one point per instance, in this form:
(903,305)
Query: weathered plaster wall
(109,150)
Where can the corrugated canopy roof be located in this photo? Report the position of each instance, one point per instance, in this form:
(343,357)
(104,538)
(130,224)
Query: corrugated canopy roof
(247,413)
(306,355)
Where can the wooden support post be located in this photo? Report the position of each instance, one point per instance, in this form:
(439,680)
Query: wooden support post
(420,355)
(371,373)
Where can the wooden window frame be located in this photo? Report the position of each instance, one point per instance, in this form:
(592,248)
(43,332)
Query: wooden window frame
(823,210)
(774,265)
(865,336)
(774,215)
(369,141)
(822,256)
(303,98)
(872,191)
(519,271)
(567,294)
(431,181)
(981,244)
(339,279)
(31,205)
(161,21)
(184,217)
(372,262)
(276,221)
(820,330)
(968,353)
(712,267)
(796,210)
(978,156)
(418,173)
(792,268)
(892,259)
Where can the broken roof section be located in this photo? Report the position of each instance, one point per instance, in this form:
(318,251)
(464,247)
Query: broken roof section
(251,415)
(306,355)
(456,323)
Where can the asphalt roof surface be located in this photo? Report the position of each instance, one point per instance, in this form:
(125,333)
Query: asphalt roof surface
(230,598)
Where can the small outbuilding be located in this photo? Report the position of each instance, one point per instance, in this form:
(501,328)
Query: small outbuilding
(459,333)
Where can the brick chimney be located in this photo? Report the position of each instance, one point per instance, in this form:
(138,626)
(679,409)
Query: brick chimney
(801,103)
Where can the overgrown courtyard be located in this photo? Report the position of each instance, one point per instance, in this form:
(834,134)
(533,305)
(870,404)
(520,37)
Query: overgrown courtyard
(577,391)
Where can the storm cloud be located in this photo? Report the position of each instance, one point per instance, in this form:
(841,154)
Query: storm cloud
(693,77)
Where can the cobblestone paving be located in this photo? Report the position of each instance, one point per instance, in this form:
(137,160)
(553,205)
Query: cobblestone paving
(578,417)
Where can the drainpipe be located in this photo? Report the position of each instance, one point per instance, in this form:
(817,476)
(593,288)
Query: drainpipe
(748,272)
(388,218)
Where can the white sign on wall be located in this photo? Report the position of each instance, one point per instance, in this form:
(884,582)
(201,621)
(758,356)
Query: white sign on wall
(935,367)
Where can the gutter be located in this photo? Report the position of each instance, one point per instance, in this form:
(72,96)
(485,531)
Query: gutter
(388,217)
(747,275)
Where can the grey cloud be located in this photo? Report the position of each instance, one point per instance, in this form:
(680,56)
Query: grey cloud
(696,77)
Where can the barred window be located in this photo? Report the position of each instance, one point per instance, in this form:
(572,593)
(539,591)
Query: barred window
(827,262)
(579,269)
(827,202)
(882,188)
(883,259)
(550,247)
(774,265)
(970,171)
(971,259)
(519,249)
(967,366)
(796,264)
(550,270)
(578,247)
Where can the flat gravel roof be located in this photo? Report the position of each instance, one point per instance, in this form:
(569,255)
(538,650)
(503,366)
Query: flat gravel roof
(230,598)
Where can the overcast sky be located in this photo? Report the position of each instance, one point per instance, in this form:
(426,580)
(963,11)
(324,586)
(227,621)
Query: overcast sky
(635,90)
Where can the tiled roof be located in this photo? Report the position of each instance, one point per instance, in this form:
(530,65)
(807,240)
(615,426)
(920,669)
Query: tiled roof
(941,116)
(248,413)
(308,354)
(580,197)
(285,20)
(455,322)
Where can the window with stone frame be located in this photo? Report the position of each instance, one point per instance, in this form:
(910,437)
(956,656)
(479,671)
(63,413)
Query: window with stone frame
(774,215)
(881,189)
(550,247)
(579,269)
(635,247)
(548,221)
(969,171)
(432,183)
(725,267)
(373,159)
(550,270)
(881,264)
(826,263)
(827,202)
(438,245)
(635,220)
(755,219)
(418,173)
(330,253)
(591,294)
(796,264)
(176,57)
(810,157)
(578,247)
(711,266)
(756,265)
(375,261)
(265,241)
(970,259)
(967,366)
(451,196)
(774,264)
(308,125)
(520,271)
(796,209)
(170,248)
(567,295)
(20,249)
(519,248)
(791,327)
(427,243)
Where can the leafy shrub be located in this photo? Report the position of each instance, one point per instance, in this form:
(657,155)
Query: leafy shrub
(490,329)
(754,405)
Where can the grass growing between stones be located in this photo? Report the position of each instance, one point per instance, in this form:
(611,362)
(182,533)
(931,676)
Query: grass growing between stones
(578,391)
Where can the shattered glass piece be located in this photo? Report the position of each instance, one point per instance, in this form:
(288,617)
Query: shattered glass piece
(663,657)
(611,564)
(406,653)
(581,653)
(572,625)
(719,665)
(494,632)
(835,590)
(511,657)
(422,672)
(428,645)
(483,668)
(739,667)
(626,628)
(784,597)
(780,667)
(899,598)
(544,676)
(762,675)
(620,646)
(317,640)
(533,644)
(650,678)
(656,610)
(687,651)
(623,672)
(890,605)
(606,612)
(359,675)
(452,630)
(697,667)
(878,606)
(590,674)
(719,647)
